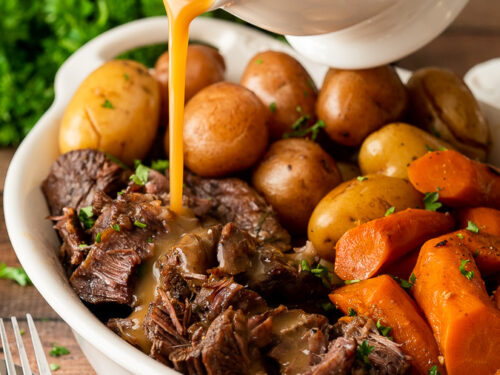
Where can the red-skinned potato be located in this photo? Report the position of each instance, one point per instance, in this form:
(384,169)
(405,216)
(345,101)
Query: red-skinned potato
(225,130)
(354,103)
(285,88)
(293,176)
(204,66)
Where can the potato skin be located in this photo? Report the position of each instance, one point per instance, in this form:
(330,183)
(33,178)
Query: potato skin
(391,149)
(293,176)
(204,66)
(356,202)
(441,103)
(276,77)
(354,103)
(115,109)
(225,130)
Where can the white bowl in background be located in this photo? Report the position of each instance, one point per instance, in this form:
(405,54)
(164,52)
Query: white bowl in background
(36,243)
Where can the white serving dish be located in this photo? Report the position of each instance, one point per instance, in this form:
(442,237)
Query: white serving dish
(36,243)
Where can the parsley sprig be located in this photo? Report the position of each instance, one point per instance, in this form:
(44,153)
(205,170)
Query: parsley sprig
(468,274)
(431,201)
(300,128)
(140,177)
(58,350)
(472,227)
(362,353)
(86,216)
(16,274)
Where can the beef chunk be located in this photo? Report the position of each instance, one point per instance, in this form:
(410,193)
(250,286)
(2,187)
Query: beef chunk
(386,358)
(233,200)
(338,360)
(73,236)
(106,276)
(76,176)
(234,250)
(217,295)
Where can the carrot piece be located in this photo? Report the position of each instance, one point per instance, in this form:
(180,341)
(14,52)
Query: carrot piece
(464,320)
(382,298)
(461,182)
(403,267)
(362,251)
(487,219)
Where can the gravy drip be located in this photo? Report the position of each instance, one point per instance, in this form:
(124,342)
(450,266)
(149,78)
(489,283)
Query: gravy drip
(180,14)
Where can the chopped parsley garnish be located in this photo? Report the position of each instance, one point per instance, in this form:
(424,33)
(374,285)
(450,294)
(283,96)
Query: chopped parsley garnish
(258,61)
(412,278)
(107,104)
(126,76)
(431,201)
(304,266)
(21,332)
(83,245)
(300,128)
(140,177)
(272,107)
(86,215)
(472,227)
(351,312)
(98,237)
(54,367)
(476,253)
(14,273)
(384,331)
(430,149)
(362,353)
(327,306)
(390,211)
(150,240)
(468,274)
(361,178)
(406,284)
(433,371)
(160,165)
(116,227)
(117,161)
(58,351)
(298,109)
(347,282)
(139,224)
(460,235)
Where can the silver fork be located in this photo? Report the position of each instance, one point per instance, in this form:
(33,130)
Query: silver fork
(41,360)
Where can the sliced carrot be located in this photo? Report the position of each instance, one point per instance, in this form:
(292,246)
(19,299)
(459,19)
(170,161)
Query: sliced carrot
(382,298)
(487,219)
(362,251)
(460,181)
(403,267)
(451,292)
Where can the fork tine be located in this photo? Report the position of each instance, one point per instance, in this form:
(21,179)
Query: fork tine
(20,347)
(6,350)
(41,360)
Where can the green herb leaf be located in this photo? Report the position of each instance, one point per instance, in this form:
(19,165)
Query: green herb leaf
(107,104)
(433,371)
(384,331)
(98,237)
(412,278)
(116,227)
(390,211)
(258,61)
(351,312)
(431,201)
(139,224)
(21,332)
(472,227)
(54,367)
(272,107)
(140,177)
(361,178)
(406,284)
(304,265)
(126,76)
(58,351)
(347,282)
(150,240)
(16,274)
(468,274)
(460,235)
(476,253)
(362,353)
(300,128)
(83,245)
(327,306)
(160,165)
(86,215)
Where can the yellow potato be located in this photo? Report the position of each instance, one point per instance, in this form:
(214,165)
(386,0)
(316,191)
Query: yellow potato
(115,109)
(356,202)
(293,176)
(441,103)
(390,150)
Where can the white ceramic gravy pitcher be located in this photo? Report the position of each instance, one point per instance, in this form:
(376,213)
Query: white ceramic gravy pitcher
(350,33)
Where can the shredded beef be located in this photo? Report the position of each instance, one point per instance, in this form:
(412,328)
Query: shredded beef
(234,250)
(73,249)
(76,176)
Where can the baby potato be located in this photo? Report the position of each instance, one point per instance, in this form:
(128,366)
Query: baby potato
(285,88)
(356,202)
(115,109)
(225,130)
(293,176)
(353,103)
(390,150)
(204,66)
(441,103)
